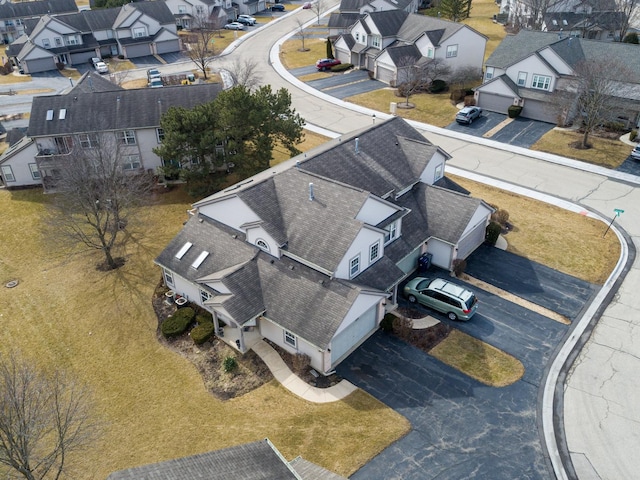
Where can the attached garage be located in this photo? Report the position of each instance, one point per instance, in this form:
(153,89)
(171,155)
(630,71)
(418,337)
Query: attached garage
(168,46)
(494,102)
(141,50)
(538,110)
(470,242)
(38,65)
(351,336)
(385,74)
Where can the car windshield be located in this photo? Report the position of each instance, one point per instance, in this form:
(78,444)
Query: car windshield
(423,284)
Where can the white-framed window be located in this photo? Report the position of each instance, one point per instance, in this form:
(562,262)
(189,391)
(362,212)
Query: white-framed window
(139,32)
(182,9)
(261,244)
(364,38)
(35,173)
(541,82)
(290,339)
(438,173)
(392,232)
(73,39)
(452,51)
(199,9)
(89,140)
(522,79)
(354,266)
(374,252)
(429,52)
(204,296)
(131,162)
(160,134)
(58,41)
(168,278)
(376,41)
(46,43)
(488,75)
(357,36)
(7,174)
(126,137)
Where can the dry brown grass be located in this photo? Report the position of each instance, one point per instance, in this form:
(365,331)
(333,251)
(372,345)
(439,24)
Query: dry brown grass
(101,327)
(291,55)
(478,360)
(606,153)
(435,109)
(310,140)
(70,72)
(562,240)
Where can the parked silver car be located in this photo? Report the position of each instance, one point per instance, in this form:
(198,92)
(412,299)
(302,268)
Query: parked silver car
(468,115)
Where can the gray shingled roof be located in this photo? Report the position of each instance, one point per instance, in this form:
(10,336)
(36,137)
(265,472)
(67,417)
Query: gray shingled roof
(156,9)
(416,25)
(303,300)
(113,110)
(225,251)
(252,461)
(388,22)
(9,10)
(390,157)
(102,18)
(343,20)
(401,54)
(93,82)
(246,302)
(571,49)
(352,5)
(263,200)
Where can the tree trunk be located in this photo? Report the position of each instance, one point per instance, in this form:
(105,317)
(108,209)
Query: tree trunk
(585,138)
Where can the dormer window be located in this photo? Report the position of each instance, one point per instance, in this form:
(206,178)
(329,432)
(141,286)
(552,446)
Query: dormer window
(354,266)
(392,232)
(139,32)
(262,245)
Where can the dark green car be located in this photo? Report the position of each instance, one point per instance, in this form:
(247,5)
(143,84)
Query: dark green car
(444,296)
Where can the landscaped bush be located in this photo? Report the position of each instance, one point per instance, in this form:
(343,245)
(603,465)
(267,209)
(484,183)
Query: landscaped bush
(500,216)
(60,66)
(202,332)
(492,233)
(230,364)
(514,111)
(633,135)
(402,327)
(6,69)
(438,86)
(177,323)
(615,126)
(301,363)
(387,323)
(459,266)
(342,67)
(204,317)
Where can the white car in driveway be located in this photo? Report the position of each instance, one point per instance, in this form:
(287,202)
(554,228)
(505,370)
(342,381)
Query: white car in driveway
(635,153)
(234,26)
(99,65)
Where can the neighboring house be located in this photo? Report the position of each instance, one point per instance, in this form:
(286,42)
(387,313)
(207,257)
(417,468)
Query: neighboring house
(13,15)
(309,254)
(351,11)
(133,30)
(252,461)
(385,43)
(59,124)
(191,13)
(531,68)
(592,19)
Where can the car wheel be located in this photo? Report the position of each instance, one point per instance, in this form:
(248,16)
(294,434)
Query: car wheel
(412,299)
(470,120)
(452,316)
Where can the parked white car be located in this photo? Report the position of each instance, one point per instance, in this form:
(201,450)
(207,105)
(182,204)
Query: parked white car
(99,65)
(635,153)
(247,19)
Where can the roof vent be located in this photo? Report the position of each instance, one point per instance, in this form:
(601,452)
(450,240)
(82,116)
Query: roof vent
(311,196)
(297,163)
(290,267)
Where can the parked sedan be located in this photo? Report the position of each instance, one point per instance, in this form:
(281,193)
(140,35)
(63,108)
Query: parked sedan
(468,115)
(442,295)
(246,19)
(277,8)
(635,153)
(101,67)
(235,26)
(307,5)
(327,63)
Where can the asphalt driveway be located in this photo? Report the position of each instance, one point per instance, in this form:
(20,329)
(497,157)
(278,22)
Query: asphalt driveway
(341,85)
(521,132)
(460,427)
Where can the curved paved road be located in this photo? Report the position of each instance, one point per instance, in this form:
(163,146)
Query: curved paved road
(602,425)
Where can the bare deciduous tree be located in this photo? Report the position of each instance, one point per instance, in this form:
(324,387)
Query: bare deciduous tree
(199,45)
(245,72)
(317,7)
(99,188)
(44,420)
(593,95)
(301,33)
(628,13)
(530,13)
(417,74)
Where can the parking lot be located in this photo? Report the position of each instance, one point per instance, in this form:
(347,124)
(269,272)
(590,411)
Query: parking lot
(460,427)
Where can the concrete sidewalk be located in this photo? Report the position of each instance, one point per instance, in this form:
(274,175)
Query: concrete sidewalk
(294,384)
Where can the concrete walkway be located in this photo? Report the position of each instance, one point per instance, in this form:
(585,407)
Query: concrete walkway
(294,384)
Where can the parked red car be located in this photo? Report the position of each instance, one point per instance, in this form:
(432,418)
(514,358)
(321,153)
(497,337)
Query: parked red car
(327,63)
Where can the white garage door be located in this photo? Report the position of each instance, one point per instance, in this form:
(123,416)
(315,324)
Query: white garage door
(542,111)
(473,240)
(353,334)
(168,46)
(494,103)
(386,75)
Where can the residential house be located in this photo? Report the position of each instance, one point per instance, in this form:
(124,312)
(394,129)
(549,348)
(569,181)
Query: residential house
(14,14)
(592,19)
(59,124)
(191,13)
(134,30)
(309,254)
(351,11)
(252,461)
(532,69)
(386,43)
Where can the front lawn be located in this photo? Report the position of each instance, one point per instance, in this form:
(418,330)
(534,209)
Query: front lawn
(101,327)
